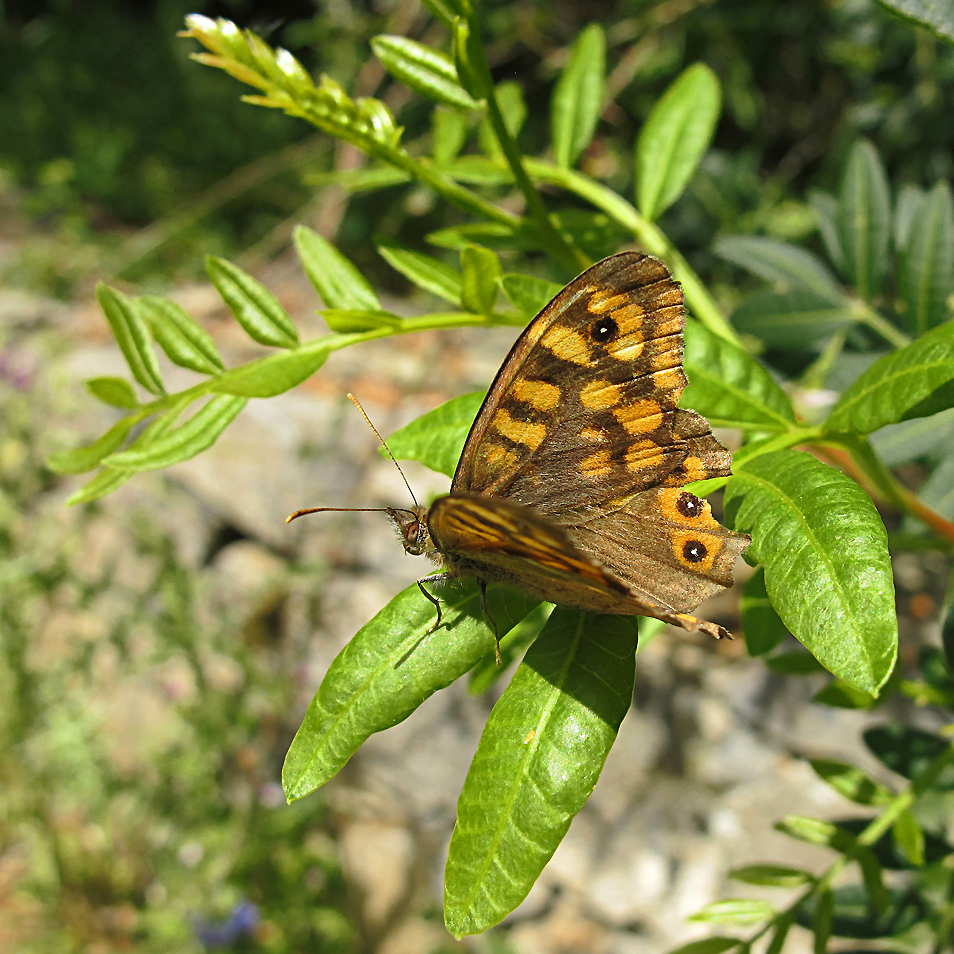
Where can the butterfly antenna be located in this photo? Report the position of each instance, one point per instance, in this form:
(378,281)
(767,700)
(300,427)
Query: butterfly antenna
(301,513)
(384,444)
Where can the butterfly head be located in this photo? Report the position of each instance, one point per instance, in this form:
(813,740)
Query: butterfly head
(411,523)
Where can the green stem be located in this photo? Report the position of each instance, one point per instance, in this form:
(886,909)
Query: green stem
(702,305)
(866,315)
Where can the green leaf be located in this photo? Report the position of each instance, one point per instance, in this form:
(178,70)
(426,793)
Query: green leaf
(740,911)
(117,392)
(462,236)
(851,782)
(852,915)
(130,333)
(937,492)
(908,211)
(388,669)
(447,11)
(909,837)
(449,129)
(864,219)
(479,170)
(537,762)
(797,319)
(821,921)
(839,695)
(468,59)
(513,109)
(254,307)
(530,295)
(813,831)
(775,876)
(926,268)
(909,751)
(423,270)
(436,438)
(198,433)
(674,139)
(729,387)
(104,483)
(184,340)
(896,384)
(708,945)
(827,569)
(795,663)
(481,271)
(366,179)
(781,263)
(760,623)
(825,207)
(873,878)
(783,924)
(578,96)
(83,459)
(487,672)
(336,279)
(346,321)
(923,436)
(275,374)
(936,16)
(424,69)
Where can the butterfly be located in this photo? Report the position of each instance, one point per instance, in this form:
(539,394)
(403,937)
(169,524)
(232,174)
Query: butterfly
(571,483)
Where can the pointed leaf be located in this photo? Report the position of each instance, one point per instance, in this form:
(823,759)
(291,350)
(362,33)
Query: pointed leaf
(864,219)
(761,625)
(436,438)
(909,837)
(198,433)
(851,782)
(908,211)
(82,459)
(117,392)
(937,492)
(839,695)
(821,921)
(741,911)
(254,307)
(183,339)
(795,663)
(909,751)
(346,321)
(775,876)
(388,669)
(708,945)
(813,831)
(937,17)
(104,483)
(927,263)
(780,262)
(537,762)
(481,270)
(130,333)
(896,384)
(336,279)
(425,271)
(827,569)
(529,294)
(923,436)
(674,139)
(449,130)
(578,96)
(730,387)
(277,373)
(798,319)
(424,69)
(825,207)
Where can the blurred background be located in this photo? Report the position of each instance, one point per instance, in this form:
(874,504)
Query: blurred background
(158,648)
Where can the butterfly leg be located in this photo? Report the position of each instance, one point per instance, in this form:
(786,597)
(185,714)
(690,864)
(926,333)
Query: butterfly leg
(437,603)
(482,586)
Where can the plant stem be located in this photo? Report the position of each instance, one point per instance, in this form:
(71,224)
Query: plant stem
(866,315)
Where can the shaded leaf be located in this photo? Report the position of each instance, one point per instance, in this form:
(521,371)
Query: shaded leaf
(130,333)
(424,69)
(335,278)
(513,109)
(83,459)
(821,920)
(449,129)
(776,876)
(780,262)
(851,782)
(739,911)
(795,663)
(184,340)
(840,695)
(423,270)
(537,762)
(825,207)
(922,436)
(480,269)
(708,945)
(487,672)
(909,838)
(254,307)
(852,915)
(761,625)
(827,570)
(908,209)
(813,831)
(909,751)
(491,234)
(674,139)
(530,295)
(798,319)
(117,392)
(578,96)
(937,16)
(872,876)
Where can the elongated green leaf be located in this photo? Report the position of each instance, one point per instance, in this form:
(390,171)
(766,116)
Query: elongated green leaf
(82,459)
(795,663)
(760,623)
(896,383)
(336,279)
(825,207)
(839,695)
(529,294)
(366,179)
(852,916)
(674,139)
(425,271)
(909,837)
(513,109)
(780,262)
(813,831)
(775,876)
(424,69)
(739,911)
(436,438)
(461,236)
(936,16)
(927,263)
(730,387)
(821,921)
(873,879)
(345,321)
(708,945)
(798,319)
(183,339)
(117,392)
(783,925)
(827,569)
(388,669)
(937,492)
(254,307)
(130,333)
(448,10)
(850,781)
(481,270)
(488,672)
(275,374)
(908,212)
(103,484)
(479,170)
(468,58)
(538,760)
(578,96)
(864,219)
(198,433)
(909,751)
(923,436)
(449,129)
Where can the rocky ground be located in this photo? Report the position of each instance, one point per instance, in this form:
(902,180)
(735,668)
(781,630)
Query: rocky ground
(710,755)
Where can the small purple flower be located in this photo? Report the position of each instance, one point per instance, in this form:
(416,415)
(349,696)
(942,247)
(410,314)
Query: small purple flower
(241,921)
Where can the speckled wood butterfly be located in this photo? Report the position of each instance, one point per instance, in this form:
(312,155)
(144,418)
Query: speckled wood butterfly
(571,482)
